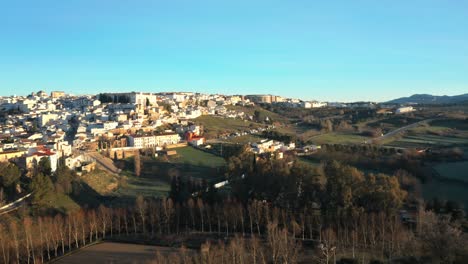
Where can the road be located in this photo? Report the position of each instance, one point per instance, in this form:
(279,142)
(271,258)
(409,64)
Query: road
(104,162)
(14,205)
(401,129)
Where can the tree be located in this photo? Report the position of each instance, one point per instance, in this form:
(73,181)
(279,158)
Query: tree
(439,238)
(9,174)
(44,166)
(41,186)
(141,205)
(137,163)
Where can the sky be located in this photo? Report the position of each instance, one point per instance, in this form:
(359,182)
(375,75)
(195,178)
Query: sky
(313,50)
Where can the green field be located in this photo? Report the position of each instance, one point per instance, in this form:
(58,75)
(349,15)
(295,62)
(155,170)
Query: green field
(457,124)
(192,156)
(156,173)
(424,140)
(393,122)
(62,203)
(453,170)
(441,132)
(339,138)
(143,186)
(214,125)
(244,139)
(445,191)
(101,181)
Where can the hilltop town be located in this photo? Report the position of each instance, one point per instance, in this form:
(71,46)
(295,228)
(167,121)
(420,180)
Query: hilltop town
(204,165)
(59,125)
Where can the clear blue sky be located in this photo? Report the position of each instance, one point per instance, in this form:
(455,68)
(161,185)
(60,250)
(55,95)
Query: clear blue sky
(333,50)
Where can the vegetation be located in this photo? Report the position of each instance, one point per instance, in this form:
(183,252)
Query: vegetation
(350,202)
(214,126)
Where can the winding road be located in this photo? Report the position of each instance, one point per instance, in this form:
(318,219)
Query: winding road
(398,130)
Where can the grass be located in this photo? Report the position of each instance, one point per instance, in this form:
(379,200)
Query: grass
(312,163)
(458,124)
(144,186)
(453,170)
(101,181)
(441,132)
(338,138)
(192,156)
(244,139)
(445,191)
(425,140)
(393,122)
(62,203)
(250,110)
(156,174)
(214,125)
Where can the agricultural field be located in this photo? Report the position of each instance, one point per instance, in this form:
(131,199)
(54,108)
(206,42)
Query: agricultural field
(393,122)
(109,252)
(424,140)
(444,132)
(339,138)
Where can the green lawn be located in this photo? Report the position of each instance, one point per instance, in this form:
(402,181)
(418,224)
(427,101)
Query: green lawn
(192,156)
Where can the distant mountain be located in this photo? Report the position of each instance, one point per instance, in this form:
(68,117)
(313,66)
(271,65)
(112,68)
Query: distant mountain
(430,99)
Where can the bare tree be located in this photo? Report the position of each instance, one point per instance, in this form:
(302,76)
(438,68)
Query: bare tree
(140,204)
(137,163)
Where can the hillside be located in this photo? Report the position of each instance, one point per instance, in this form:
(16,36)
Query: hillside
(430,99)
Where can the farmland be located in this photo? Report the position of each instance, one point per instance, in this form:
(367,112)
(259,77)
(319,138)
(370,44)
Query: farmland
(109,252)
(437,133)
(339,138)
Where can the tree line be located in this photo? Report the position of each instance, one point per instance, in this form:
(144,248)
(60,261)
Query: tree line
(382,235)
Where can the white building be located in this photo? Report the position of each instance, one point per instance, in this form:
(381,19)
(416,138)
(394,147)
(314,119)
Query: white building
(318,104)
(153,141)
(405,109)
